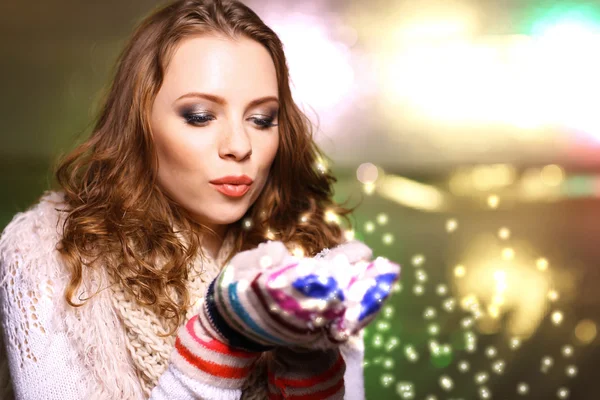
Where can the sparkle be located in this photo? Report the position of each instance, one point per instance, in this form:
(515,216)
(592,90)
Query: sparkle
(515,343)
(508,253)
(383,326)
(522,388)
(369,227)
(557,317)
(418,260)
(429,313)
(349,234)
(369,188)
(382,219)
(411,353)
(459,271)
(247,224)
(498,367)
(392,343)
(553,295)
(298,252)
(418,290)
(331,216)
(491,352)
(493,201)
(433,329)
(547,363)
(388,363)
(377,341)
(571,371)
(451,225)
(441,289)
(446,382)
(467,322)
(405,390)
(562,393)
(504,233)
(449,304)
(387,238)
(421,275)
(567,351)
(541,264)
(484,393)
(388,311)
(387,380)
(481,378)
(463,366)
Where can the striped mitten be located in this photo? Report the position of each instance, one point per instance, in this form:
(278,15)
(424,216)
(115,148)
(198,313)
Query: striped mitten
(265,297)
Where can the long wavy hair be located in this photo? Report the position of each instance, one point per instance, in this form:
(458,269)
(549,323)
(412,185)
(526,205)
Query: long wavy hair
(118,213)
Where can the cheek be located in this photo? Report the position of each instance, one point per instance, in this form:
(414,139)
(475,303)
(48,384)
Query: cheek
(268,149)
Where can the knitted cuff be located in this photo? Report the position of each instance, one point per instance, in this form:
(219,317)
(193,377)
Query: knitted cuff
(295,374)
(217,322)
(208,360)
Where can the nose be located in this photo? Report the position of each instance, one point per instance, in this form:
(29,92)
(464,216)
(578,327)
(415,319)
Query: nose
(236,144)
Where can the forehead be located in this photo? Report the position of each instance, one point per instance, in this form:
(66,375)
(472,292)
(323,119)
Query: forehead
(239,70)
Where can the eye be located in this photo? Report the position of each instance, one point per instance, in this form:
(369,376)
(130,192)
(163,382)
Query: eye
(197,119)
(263,123)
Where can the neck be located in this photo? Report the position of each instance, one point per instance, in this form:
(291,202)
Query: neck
(211,242)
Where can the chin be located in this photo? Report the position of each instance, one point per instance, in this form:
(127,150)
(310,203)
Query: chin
(222,215)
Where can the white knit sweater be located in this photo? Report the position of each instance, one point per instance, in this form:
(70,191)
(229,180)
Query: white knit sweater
(50,350)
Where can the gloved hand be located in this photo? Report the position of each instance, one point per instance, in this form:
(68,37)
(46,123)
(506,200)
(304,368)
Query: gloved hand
(266,297)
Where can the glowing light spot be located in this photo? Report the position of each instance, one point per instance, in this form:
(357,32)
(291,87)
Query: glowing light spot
(522,388)
(449,304)
(504,233)
(405,390)
(557,317)
(332,217)
(553,295)
(418,260)
(270,235)
(382,219)
(392,343)
(484,393)
(585,331)
(508,253)
(369,227)
(383,326)
(481,378)
(397,287)
(387,238)
(421,275)
(387,380)
(541,264)
(567,351)
(387,311)
(552,175)
(418,290)
(247,224)
(446,382)
(349,234)
(411,353)
(571,371)
(467,322)
(433,329)
(491,352)
(367,173)
(547,363)
(460,271)
(451,225)
(369,188)
(515,343)
(377,341)
(441,289)
(429,313)
(562,393)
(498,367)
(493,201)
(463,366)
(388,363)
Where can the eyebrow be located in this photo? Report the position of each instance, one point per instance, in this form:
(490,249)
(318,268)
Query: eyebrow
(223,102)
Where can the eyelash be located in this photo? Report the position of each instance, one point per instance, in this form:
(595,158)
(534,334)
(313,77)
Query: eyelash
(195,119)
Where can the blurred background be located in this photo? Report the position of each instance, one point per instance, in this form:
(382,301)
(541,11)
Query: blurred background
(469,133)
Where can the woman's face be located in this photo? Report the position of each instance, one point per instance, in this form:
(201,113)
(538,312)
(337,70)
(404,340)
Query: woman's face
(211,124)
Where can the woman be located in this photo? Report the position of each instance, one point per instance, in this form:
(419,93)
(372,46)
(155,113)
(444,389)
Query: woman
(114,286)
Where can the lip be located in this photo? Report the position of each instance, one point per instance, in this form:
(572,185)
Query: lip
(233,180)
(232,190)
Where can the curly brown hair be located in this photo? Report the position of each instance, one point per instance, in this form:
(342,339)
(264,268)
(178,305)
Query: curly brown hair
(118,213)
